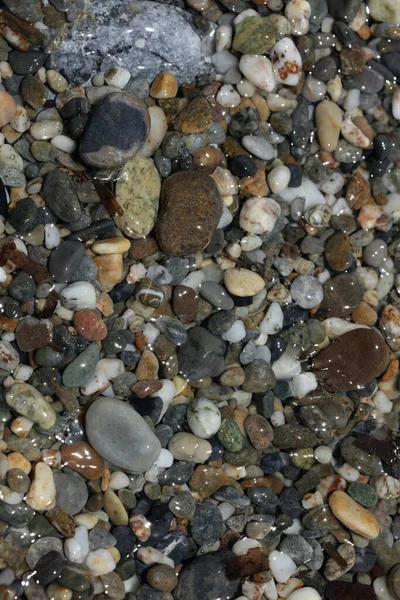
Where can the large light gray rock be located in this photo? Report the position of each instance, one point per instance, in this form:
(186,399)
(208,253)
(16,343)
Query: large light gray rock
(143,36)
(121,436)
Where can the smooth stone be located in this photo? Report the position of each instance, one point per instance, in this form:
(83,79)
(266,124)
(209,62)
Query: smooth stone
(216,295)
(40,548)
(138,192)
(203,417)
(352,360)
(384,11)
(204,578)
(80,370)
(26,63)
(254,35)
(117,129)
(259,215)
(60,194)
(180,230)
(16,515)
(109,423)
(202,355)
(23,216)
(287,62)
(207,525)
(9,357)
(243,282)
(27,401)
(83,459)
(353,515)
(34,92)
(90,325)
(342,294)
(363,493)
(71,492)
(328,117)
(293,436)
(65,259)
(32,333)
(78,295)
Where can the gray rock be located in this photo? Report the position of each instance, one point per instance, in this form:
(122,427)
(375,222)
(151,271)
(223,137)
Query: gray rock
(79,371)
(205,578)
(120,435)
(17,515)
(207,525)
(71,492)
(100,538)
(41,547)
(145,37)
(201,355)
(297,548)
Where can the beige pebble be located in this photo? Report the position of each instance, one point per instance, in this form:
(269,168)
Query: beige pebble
(334,569)
(42,493)
(117,245)
(165,85)
(110,268)
(55,591)
(328,118)
(17,461)
(115,509)
(186,446)
(56,81)
(8,108)
(243,283)
(354,516)
(354,135)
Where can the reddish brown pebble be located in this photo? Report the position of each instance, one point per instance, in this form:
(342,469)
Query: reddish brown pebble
(81,457)
(8,108)
(185,303)
(89,324)
(146,387)
(142,248)
(259,431)
(32,334)
(352,360)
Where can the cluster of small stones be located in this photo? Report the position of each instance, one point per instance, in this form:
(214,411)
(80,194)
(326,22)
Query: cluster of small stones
(200,312)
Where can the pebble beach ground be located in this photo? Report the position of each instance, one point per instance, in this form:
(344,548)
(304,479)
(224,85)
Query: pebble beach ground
(199,300)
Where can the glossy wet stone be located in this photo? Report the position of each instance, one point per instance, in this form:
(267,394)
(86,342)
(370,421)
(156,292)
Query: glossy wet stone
(109,422)
(60,195)
(117,129)
(351,360)
(179,233)
(79,371)
(82,458)
(342,294)
(205,577)
(201,355)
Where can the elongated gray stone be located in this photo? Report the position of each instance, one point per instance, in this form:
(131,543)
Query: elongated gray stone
(120,435)
(80,370)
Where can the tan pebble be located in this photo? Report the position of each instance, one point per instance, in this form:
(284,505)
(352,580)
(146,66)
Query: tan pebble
(110,268)
(365,127)
(115,509)
(364,314)
(368,216)
(234,376)
(186,446)
(334,569)
(21,426)
(56,81)
(8,108)
(42,493)
(243,283)
(117,245)
(141,527)
(262,106)
(105,304)
(115,553)
(354,135)
(55,591)
(162,577)
(165,85)
(147,367)
(255,185)
(354,516)
(358,192)
(328,118)
(17,461)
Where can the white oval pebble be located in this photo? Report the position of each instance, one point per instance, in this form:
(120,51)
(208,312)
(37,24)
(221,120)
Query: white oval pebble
(78,295)
(45,130)
(287,62)
(228,97)
(118,76)
(281,565)
(100,562)
(64,143)
(223,37)
(323,454)
(118,480)
(303,384)
(305,593)
(235,333)
(259,147)
(52,236)
(204,417)
(241,547)
(258,70)
(278,179)
(259,215)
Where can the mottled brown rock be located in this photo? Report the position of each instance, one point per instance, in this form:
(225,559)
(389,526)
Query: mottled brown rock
(254,561)
(62,521)
(259,431)
(208,480)
(364,314)
(352,360)
(81,457)
(162,577)
(146,387)
(19,34)
(191,207)
(341,296)
(184,303)
(142,248)
(32,333)
(195,118)
(338,252)
(352,60)
(343,590)
(358,192)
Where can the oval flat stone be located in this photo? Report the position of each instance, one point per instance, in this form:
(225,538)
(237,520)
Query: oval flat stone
(118,128)
(120,435)
(138,191)
(205,578)
(33,333)
(71,492)
(60,195)
(65,259)
(342,294)
(27,401)
(82,458)
(80,370)
(190,210)
(201,355)
(352,360)
(354,516)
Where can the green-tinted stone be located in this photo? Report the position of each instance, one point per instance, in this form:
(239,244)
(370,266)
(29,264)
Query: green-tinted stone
(76,577)
(79,371)
(266,404)
(248,455)
(294,436)
(230,436)
(363,493)
(34,92)
(254,35)
(303,458)
(138,192)
(283,389)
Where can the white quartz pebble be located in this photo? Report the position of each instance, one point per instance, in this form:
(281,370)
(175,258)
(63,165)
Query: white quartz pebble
(204,417)
(308,190)
(223,37)
(382,403)
(273,320)
(158,129)
(241,547)
(287,366)
(86,520)
(23,372)
(335,327)
(20,121)
(78,295)
(45,130)
(281,565)
(42,493)
(228,97)
(245,88)
(259,215)
(323,454)
(77,548)
(3,275)
(117,76)
(235,333)
(100,562)
(227,510)
(151,556)
(107,369)
(354,135)
(298,14)
(258,70)
(10,497)
(52,236)
(287,63)
(118,480)
(165,459)
(278,179)
(64,143)
(305,593)
(259,147)
(270,591)
(303,384)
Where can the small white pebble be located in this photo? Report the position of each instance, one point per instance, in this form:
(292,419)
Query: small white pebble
(52,237)
(223,38)
(228,97)
(278,179)
(117,76)
(3,275)
(236,333)
(303,384)
(100,562)
(323,454)
(241,547)
(118,480)
(64,143)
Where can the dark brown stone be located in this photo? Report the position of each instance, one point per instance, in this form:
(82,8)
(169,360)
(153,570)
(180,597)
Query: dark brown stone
(190,210)
(342,294)
(32,334)
(185,303)
(195,118)
(142,248)
(342,590)
(338,252)
(352,60)
(352,360)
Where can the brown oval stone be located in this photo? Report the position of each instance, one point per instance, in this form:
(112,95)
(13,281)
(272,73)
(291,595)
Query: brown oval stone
(184,303)
(338,252)
(259,431)
(207,159)
(83,459)
(8,108)
(162,577)
(89,324)
(352,360)
(190,210)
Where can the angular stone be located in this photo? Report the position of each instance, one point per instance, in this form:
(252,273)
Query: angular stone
(342,294)
(117,129)
(65,259)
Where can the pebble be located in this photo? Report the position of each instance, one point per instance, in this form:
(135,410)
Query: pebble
(102,147)
(29,402)
(328,117)
(42,493)
(353,515)
(242,282)
(104,420)
(204,418)
(259,215)
(259,147)
(287,63)
(8,108)
(258,70)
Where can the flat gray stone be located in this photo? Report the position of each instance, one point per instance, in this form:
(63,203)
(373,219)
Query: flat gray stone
(71,492)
